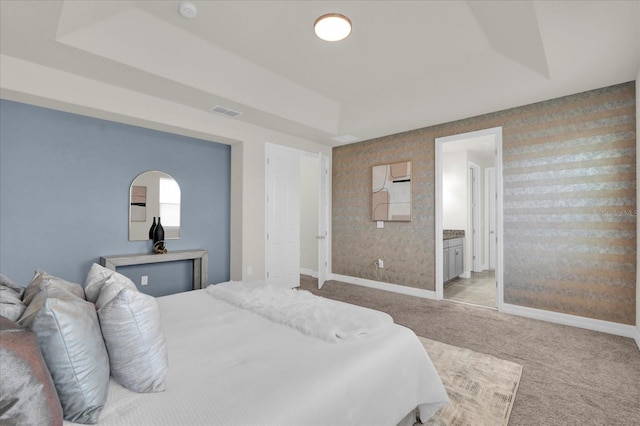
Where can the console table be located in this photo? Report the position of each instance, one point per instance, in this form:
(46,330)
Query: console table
(200,262)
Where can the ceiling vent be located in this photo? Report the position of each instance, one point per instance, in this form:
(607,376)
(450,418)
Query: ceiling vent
(218,109)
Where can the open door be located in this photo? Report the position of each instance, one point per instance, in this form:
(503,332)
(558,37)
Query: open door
(283,217)
(323,221)
(490,216)
(474,217)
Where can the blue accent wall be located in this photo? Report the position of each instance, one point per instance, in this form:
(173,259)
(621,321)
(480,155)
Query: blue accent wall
(64,196)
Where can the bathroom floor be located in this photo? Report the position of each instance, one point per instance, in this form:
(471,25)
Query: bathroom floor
(480,289)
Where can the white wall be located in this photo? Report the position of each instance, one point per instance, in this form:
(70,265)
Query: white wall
(309,199)
(35,84)
(454,190)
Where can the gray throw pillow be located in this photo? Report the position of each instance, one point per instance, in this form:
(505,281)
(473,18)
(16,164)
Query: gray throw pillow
(5,281)
(98,276)
(68,333)
(42,281)
(11,305)
(29,314)
(27,393)
(132,331)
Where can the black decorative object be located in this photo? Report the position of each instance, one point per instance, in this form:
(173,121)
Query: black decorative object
(158,239)
(152,230)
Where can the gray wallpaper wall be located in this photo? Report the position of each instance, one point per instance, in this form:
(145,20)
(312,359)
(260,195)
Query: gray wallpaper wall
(569,174)
(64,191)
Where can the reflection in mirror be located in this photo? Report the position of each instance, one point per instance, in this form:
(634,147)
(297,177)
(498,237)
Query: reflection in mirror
(154,194)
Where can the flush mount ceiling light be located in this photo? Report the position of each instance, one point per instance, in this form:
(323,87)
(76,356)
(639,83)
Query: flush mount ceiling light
(332,27)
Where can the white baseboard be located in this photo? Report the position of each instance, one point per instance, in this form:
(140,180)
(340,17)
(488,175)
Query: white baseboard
(539,314)
(572,320)
(311,272)
(395,288)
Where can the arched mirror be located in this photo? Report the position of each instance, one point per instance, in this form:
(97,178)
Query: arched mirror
(154,194)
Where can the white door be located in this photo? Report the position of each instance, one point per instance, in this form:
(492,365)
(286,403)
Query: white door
(323,221)
(283,217)
(474,206)
(490,176)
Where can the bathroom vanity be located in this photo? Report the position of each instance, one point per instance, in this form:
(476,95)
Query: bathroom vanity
(453,246)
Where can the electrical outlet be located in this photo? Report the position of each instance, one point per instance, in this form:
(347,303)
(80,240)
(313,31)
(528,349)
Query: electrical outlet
(249,270)
(380,263)
(144,280)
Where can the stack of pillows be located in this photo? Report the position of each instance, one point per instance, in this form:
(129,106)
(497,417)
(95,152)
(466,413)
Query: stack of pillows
(83,336)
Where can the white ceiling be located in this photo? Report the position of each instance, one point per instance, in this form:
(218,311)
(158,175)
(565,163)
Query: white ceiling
(406,65)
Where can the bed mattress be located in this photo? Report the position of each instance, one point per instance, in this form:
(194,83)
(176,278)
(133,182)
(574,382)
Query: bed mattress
(229,366)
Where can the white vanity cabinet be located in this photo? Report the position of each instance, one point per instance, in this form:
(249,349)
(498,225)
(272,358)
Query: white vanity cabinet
(453,258)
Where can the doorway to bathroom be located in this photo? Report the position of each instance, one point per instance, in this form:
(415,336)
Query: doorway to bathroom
(468,226)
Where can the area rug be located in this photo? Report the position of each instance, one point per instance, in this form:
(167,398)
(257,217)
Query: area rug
(481,387)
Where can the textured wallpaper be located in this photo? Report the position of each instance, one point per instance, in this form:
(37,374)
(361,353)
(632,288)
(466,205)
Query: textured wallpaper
(569,208)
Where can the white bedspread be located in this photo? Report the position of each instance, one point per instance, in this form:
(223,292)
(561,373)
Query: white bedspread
(315,316)
(228,366)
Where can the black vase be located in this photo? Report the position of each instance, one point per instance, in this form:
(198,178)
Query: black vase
(158,235)
(152,230)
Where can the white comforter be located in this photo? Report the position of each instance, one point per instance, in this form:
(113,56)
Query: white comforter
(228,366)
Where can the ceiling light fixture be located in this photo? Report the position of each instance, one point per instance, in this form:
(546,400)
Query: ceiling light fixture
(332,27)
(188,10)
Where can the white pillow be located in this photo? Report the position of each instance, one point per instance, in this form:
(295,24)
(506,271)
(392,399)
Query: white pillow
(97,277)
(112,287)
(132,331)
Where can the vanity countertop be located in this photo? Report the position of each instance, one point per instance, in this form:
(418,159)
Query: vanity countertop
(448,234)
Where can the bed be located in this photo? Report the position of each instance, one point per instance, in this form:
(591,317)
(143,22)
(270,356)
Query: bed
(251,354)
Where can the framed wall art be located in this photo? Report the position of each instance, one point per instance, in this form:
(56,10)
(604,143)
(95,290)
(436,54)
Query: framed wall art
(391,192)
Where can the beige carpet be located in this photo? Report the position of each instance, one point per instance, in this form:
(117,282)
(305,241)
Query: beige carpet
(481,387)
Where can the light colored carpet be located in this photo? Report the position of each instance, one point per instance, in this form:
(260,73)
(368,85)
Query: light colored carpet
(481,387)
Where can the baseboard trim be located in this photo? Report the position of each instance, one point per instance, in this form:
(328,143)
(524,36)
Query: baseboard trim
(311,272)
(539,314)
(380,285)
(572,320)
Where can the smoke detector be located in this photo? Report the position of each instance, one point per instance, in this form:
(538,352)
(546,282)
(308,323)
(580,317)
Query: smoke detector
(188,10)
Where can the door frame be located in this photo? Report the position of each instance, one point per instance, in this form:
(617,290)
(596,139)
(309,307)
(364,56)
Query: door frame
(497,133)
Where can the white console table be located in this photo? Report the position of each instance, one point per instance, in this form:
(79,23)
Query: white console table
(200,262)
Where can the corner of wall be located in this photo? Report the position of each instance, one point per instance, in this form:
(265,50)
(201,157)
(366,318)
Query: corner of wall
(637,222)
(236,268)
